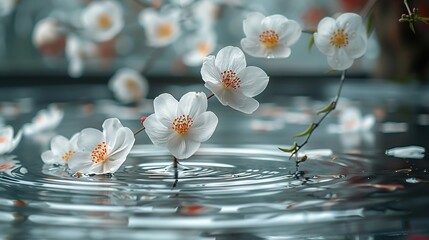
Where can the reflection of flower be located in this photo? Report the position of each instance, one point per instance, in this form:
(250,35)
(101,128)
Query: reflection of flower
(128,85)
(180,126)
(103,20)
(269,36)
(231,81)
(61,151)
(201,44)
(342,39)
(46,119)
(161,28)
(7,142)
(351,120)
(102,152)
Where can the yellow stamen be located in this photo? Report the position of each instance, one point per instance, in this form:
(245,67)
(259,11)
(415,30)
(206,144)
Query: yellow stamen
(132,86)
(99,154)
(104,21)
(182,124)
(66,157)
(339,38)
(230,79)
(203,48)
(164,30)
(269,38)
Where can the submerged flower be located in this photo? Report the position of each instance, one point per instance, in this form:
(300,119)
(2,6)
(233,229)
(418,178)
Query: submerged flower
(270,36)
(46,119)
(234,84)
(102,152)
(342,39)
(7,142)
(180,126)
(161,28)
(200,45)
(128,85)
(61,151)
(103,20)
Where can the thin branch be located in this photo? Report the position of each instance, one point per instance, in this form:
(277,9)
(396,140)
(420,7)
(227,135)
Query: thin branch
(408,8)
(316,124)
(140,130)
(210,96)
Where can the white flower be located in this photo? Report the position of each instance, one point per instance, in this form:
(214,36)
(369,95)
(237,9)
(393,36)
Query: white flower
(270,36)
(102,152)
(342,39)
(205,12)
(128,85)
(7,142)
(161,28)
(103,20)
(351,120)
(61,151)
(48,36)
(234,84)
(200,45)
(180,126)
(45,119)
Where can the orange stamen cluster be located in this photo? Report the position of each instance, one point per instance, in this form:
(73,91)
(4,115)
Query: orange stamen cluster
(164,30)
(182,123)
(133,87)
(230,79)
(339,38)
(66,157)
(104,21)
(99,154)
(203,48)
(3,139)
(269,38)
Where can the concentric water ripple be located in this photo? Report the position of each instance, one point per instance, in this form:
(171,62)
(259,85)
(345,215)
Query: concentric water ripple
(218,188)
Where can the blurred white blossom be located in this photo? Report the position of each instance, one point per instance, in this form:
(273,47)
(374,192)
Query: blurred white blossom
(199,45)
(161,27)
(49,36)
(45,119)
(342,40)
(128,85)
(270,36)
(7,141)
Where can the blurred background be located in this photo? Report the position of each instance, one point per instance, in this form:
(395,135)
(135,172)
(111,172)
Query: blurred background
(30,55)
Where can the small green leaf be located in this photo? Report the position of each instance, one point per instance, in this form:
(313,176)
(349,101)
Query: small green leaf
(291,149)
(412,27)
(369,25)
(327,108)
(311,43)
(307,131)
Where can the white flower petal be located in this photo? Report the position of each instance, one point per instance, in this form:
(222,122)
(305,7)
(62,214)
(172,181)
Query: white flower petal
(340,60)
(253,48)
(252,25)
(48,157)
(350,22)
(280,51)
(323,43)
(113,166)
(89,138)
(158,133)
(181,147)
(254,81)
(81,162)
(290,32)
(59,145)
(110,128)
(165,107)
(192,104)
(203,127)
(326,26)
(218,90)
(124,142)
(241,103)
(273,22)
(230,58)
(209,72)
(357,46)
